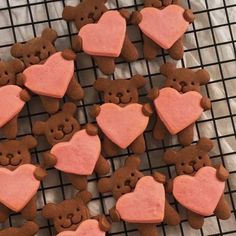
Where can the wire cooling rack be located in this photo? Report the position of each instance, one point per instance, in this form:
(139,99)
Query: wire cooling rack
(209,43)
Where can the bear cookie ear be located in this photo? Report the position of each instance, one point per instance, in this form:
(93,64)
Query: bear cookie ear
(69,13)
(39,127)
(49,34)
(170,157)
(138,81)
(104,185)
(17,65)
(69,108)
(205,144)
(85,196)
(49,211)
(17,50)
(167,69)
(101,84)
(133,162)
(29,141)
(202,76)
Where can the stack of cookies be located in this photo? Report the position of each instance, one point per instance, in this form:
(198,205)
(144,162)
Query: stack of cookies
(38,69)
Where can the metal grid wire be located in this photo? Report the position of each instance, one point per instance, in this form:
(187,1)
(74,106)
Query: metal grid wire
(209,44)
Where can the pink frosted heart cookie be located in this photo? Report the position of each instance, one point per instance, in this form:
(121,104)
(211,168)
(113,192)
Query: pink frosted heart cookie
(122,125)
(10,103)
(86,228)
(106,37)
(177,111)
(52,78)
(200,193)
(18,187)
(164,26)
(145,205)
(79,155)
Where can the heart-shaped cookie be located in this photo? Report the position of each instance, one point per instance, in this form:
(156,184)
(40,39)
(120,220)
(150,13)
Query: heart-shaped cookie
(122,125)
(177,111)
(86,228)
(18,187)
(106,37)
(145,205)
(200,193)
(164,26)
(79,155)
(10,103)
(52,78)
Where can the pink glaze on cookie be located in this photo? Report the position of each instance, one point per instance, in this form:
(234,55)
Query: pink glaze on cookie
(79,155)
(200,193)
(52,78)
(86,228)
(18,187)
(106,37)
(10,103)
(122,125)
(164,26)
(145,205)
(177,111)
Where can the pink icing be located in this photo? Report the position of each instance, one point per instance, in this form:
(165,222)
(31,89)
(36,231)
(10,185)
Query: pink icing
(79,155)
(106,37)
(177,111)
(10,103)
(145,205)
(52,78)
(165,26)
(122,125)
(200,193)
(18,187)
(86,228)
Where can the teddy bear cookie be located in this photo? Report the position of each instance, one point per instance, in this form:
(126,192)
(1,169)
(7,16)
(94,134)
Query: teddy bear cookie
(163,24)
(139,199)
(9,71)
(102,33)
(199,186)
(75,151)
(121,118)
(12,97)
(29,228)
(19,179)
(72,217)
(179,103)
(48,73)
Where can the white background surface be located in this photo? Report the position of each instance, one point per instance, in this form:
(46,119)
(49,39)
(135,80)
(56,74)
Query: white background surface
(210,43)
